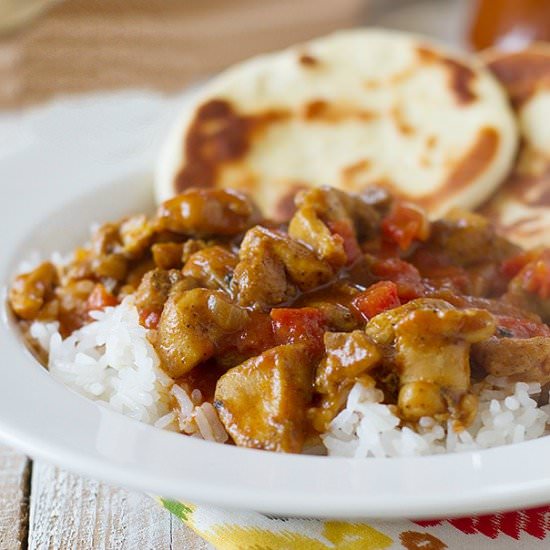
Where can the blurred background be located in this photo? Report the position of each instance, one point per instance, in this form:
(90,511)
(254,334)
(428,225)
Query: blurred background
(51,47)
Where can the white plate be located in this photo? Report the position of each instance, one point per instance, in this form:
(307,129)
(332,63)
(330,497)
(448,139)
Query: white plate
(67,165)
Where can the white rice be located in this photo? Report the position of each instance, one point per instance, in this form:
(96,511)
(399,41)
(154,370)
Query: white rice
(111,360)
(367,428)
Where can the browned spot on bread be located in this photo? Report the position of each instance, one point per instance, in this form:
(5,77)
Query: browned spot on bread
(218,135)
(461,77)
(308,60)
(431,142)
(426,54)
(522,73)
(401,121)
(324,111)
(462,80)
(285,207)
(350,172)
(472,165)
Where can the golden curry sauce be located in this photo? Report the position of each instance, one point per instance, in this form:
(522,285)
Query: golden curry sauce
(275,323)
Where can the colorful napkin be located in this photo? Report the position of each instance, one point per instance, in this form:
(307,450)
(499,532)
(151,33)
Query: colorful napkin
(525,530)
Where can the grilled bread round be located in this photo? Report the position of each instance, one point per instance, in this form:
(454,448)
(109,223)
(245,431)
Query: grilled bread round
(352,109)
(521,207)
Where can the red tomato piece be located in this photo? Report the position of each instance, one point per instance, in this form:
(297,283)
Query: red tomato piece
(403,274)
(512,266)
(535,276)
(345,231)
(100,298)
(404,224)
(378,298)
(306,325)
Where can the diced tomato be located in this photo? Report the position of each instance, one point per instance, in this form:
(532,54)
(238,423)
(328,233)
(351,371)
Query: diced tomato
(403,274)
(100,298)
(404,224)
(149,319)
(306,324)
(438,270)
(376,299)
(345,231)
(512,266)
(535,276)
(520,328)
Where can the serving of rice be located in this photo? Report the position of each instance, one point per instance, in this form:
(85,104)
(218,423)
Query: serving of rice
(111,361)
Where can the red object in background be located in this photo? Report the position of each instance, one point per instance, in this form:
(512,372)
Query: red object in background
(509,24)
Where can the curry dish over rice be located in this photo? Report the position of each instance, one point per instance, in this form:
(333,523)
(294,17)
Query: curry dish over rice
(273,324)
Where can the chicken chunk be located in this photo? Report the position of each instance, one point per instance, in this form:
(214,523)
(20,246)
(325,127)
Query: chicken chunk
(212,267)
(136,234)
(428,342)
(522,359)
(262,402)
(152,293)
(467,238)
(168,255)
(273,268)
(30,291)
(329,221)
(203,212)
(107,259)
(350,356)
(191,324)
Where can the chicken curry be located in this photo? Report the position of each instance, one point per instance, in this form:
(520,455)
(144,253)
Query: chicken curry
(275,323)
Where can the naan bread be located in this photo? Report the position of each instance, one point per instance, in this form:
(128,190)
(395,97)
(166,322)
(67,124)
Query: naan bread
(521,207)
(354,108)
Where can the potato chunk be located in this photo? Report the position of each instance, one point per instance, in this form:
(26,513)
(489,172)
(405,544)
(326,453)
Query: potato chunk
(262,402)
(191,324)
(522,359)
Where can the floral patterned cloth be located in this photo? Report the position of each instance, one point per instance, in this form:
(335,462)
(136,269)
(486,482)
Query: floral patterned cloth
(526,529)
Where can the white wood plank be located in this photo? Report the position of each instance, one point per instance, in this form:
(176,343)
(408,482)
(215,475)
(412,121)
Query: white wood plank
(14,487)
(70,512)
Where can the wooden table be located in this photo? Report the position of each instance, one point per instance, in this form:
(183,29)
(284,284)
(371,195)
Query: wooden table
(43,507)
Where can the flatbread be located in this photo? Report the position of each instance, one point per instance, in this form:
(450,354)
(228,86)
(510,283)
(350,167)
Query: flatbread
(521,207)
(355,108)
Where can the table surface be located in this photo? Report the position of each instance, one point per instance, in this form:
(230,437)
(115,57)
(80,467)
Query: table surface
(45,507)
(85,45)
